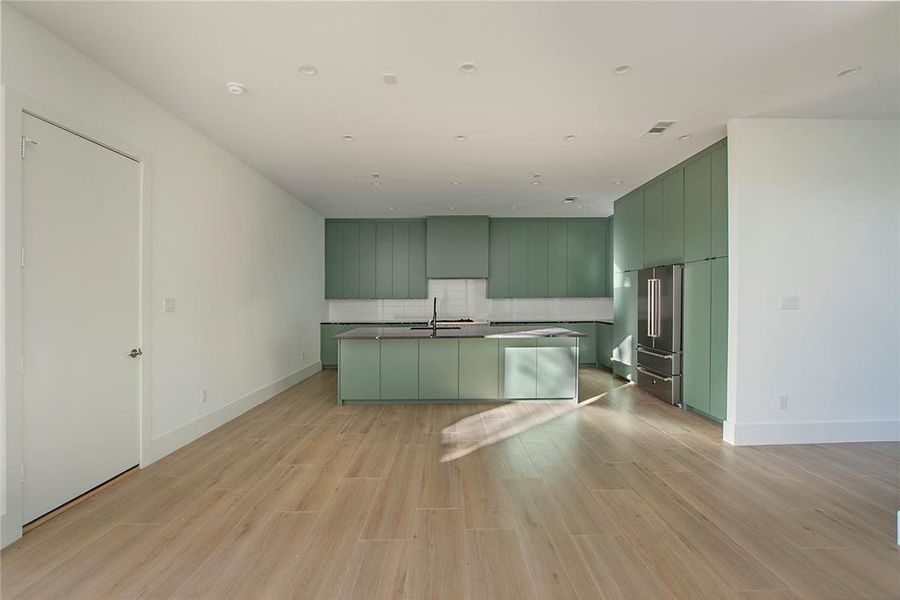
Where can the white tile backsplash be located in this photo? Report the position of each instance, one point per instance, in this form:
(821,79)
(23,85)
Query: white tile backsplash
(467,298)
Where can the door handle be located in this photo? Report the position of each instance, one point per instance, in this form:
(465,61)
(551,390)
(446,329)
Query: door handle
(135,352)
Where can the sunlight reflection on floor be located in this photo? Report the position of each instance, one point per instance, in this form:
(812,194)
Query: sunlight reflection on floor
(491,426)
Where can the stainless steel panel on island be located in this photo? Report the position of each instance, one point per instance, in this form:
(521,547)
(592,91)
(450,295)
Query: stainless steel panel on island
(469,363)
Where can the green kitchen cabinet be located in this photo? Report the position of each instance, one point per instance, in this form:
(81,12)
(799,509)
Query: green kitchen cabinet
(399,369)
(457,247)
(719,202)
(400,259)
(328,346)
(418,280)
(556,368)
(360,371)
(498,278)
(604,344)
(557,257)
(624,340)
(654,228)
(350,260)
(696,335)
(367,267)
(610,268)
(439,369)
(628,238)
(518,258)
(384,259)
(479,369)
(518,363)
(333,277)
(586,258)
(718,338)
(697,209)
(538,272)
(587,346)
(673,218)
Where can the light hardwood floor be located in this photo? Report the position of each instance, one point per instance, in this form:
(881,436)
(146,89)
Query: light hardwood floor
(619,497)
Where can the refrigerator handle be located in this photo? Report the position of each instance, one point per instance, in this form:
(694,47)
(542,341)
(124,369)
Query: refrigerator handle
(650,308)
(653,314)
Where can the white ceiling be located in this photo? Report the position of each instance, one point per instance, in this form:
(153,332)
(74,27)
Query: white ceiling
(544,72)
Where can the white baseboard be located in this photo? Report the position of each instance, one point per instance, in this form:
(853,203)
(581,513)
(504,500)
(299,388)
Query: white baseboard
(760,434)
(169,442)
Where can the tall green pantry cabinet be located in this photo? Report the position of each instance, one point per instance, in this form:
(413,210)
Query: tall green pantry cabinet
(679,217)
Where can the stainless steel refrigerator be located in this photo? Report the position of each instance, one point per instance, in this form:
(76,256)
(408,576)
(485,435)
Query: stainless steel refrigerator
(659,332)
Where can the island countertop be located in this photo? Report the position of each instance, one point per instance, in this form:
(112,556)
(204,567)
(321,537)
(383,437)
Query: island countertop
(466,331)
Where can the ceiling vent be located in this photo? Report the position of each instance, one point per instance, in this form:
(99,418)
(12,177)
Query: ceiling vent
(658,129)
(389,78)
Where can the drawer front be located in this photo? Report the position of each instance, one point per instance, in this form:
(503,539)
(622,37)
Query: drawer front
(659,362)
(667,389)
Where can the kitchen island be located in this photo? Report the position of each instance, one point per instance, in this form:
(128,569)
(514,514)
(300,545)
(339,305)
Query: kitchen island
(469,363)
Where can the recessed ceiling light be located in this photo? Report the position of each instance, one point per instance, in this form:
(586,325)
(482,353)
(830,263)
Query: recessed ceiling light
(347,138)
(850,72)
(685,137)
(390,208)
(454,183)
(235,88)
(535,182)
(389,78)
(515,208)
(460,138)
(622,70)
(618,182)
(569,138)
(468,68)
(309,70)
(452,207)
(376,183)
(570,200)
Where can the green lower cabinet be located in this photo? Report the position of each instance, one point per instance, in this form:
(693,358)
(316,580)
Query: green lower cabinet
(587,346)
(479,369)
(718,338)
(439,369)
(625,325)
(556,368)
(604,345)
(696,335)
(328,346)
(518,363)
(399,369)
(360,371)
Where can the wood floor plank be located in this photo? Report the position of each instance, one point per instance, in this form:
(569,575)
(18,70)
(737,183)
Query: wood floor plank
(394,508)
(437,562)
(618,570)
(320,482)
(377,571)
(495,566)
(441,483)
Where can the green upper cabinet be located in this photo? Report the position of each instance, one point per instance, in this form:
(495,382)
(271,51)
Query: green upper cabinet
(557,257)
(367,261)
(498,278)
(628,238)
(418,281)
(333,270)
(548,258)
(586,258)
(457,247)
(518,259)
(697,215)
(538,254)
(719,202)
(370,258)
(653,225)
(673,218)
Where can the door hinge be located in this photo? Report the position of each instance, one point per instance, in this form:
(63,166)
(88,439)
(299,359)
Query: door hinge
(22,258)
(25,142)
(23,474)
(22,365)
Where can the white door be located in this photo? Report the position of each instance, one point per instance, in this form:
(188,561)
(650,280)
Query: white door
(80,315)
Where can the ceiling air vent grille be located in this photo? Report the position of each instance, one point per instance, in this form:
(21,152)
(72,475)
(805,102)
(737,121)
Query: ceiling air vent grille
(658,129)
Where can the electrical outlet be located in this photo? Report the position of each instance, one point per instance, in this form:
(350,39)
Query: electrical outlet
(303,357)
(169,305)
(782,402)
(790,303)
(202,396)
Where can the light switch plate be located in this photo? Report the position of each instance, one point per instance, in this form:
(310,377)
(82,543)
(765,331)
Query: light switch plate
(790,303)
(169,305)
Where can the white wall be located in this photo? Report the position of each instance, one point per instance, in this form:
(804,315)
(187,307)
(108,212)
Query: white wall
(467,298)
(242,258)
(814,212)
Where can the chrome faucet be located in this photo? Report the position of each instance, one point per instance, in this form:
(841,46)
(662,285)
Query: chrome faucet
(434,319)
